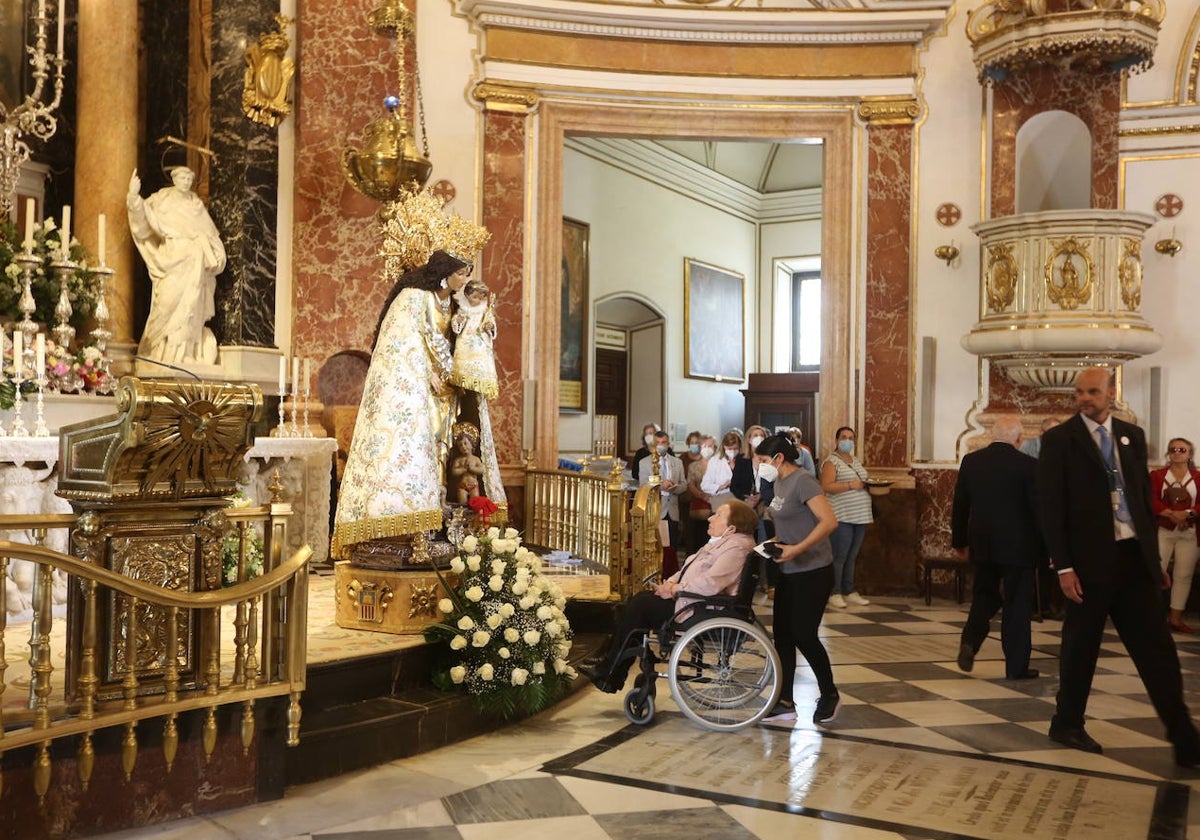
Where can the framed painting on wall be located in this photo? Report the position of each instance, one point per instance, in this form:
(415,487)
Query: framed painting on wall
(714,322)
(572,382)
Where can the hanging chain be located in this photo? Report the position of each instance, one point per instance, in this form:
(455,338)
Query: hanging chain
(420,102)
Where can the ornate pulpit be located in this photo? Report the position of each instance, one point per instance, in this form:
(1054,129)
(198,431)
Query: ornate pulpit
(150,487)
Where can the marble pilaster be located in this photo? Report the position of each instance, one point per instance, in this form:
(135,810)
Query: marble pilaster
(107,117)
(884,429)
(503,267)
(244,181)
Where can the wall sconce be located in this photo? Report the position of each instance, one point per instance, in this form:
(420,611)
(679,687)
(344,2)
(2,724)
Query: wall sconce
(1169,247)
(949,253)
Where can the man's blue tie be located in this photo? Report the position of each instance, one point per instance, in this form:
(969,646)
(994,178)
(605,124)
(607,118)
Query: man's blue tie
(1115,482)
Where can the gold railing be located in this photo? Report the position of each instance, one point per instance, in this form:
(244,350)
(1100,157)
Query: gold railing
(264,617)
(594,517)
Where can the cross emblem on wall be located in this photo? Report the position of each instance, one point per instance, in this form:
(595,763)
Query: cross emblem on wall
(444,190)
(1168,205)
(948,214)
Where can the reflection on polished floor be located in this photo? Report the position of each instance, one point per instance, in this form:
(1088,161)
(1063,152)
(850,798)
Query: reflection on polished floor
(918,750)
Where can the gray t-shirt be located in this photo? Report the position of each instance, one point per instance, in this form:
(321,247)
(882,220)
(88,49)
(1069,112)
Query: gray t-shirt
(794,521)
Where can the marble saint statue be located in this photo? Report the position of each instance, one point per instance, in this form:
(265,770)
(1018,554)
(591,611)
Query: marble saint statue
(183,252)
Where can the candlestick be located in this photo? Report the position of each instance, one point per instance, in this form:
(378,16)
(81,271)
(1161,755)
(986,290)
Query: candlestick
(39,427)
(39,359)
(65,234)
(18,424)
(18,356)
(100,224)
(307,373)
(296,374)
(30,205)
(282,376)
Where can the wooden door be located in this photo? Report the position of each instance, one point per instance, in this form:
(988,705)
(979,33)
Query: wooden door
(612,378)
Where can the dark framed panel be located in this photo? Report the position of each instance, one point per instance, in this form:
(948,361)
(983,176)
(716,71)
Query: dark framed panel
(572,371)
(14,64)
(714,307)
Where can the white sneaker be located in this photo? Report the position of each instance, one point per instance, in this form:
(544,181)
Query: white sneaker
(836,600)
(857,600)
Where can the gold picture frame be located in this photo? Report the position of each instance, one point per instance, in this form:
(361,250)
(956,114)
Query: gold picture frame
(714,318)
(572,367)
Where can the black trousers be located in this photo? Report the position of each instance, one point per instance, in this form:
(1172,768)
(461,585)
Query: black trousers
(1135,605)
(800,601)
(644,611)
(1010,587)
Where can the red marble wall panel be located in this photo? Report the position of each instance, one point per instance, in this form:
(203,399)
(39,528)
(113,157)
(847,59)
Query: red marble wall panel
(338,289)
(503,266)
(884,432)
(1093,97)
(1006,397)
(935,495)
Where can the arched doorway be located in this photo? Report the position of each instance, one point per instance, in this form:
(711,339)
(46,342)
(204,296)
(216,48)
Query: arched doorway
(630,376)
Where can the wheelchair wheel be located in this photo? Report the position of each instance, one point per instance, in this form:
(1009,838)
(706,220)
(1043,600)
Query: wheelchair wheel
(724,673)
(639,709)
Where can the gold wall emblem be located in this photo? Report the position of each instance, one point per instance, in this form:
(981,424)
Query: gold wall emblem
(268,79)
(1001,277)
(1065,285)
(1129,272)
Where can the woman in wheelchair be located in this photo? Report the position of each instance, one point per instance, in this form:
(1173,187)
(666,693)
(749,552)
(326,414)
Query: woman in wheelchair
(715,569)
(803,519)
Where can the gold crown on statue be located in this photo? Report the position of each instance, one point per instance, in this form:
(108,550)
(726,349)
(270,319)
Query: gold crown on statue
(416,226)
(466,428)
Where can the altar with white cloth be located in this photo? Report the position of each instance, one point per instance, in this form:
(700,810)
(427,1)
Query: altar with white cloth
(29,478)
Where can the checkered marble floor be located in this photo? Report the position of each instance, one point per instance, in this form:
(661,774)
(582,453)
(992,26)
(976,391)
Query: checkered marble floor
(919,749)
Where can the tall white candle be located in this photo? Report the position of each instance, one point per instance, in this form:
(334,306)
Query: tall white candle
(282,374)
(296,374)
(307,374)
(62,21)
(65,233)
(18,353)
(30,206)
(39,359)
(100,223)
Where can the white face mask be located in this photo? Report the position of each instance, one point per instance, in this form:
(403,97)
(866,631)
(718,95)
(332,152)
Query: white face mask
(661,448)
(731,453)
(706,451)
(768,472)
(754,442)
(648,440)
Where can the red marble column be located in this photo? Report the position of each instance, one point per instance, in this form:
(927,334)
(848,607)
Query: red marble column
(886,382)
(504,163)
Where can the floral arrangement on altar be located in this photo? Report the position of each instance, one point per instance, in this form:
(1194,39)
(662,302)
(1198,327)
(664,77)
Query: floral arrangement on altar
(81,288)
(506,634)
(231,544)
(66,371)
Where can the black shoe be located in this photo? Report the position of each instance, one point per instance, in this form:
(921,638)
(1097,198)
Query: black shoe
(1076,739)
(827,707)
(600,678)
(1189,759)
(1027,674)
(966,657)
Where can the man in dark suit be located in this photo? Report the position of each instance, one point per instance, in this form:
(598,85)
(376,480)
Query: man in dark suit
(1099,527)
(994,523)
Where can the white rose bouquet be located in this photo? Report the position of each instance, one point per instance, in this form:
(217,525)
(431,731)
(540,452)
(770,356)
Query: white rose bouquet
(506,635)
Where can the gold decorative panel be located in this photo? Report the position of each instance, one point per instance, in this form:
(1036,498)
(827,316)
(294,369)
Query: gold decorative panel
(1001,284)
(1129,272)
(1066,285)
(386,600)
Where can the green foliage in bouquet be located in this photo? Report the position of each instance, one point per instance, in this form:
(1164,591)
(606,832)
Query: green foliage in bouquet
(81,287)
(507,639)
(231,547)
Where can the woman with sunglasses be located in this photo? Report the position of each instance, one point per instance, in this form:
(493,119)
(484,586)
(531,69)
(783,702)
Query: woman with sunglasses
(1173,489)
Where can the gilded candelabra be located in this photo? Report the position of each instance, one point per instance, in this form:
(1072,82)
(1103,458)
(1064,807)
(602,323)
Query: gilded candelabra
(34,116)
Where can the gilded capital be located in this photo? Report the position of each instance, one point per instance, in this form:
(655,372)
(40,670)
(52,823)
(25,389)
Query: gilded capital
(899,110)
(495,97)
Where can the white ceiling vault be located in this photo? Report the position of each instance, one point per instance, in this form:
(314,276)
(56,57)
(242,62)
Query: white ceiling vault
(763,167)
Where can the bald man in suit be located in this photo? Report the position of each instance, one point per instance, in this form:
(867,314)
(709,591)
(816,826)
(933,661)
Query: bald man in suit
(994,523)
(1099,527)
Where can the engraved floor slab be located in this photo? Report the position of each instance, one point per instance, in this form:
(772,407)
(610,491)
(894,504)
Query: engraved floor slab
(877,785)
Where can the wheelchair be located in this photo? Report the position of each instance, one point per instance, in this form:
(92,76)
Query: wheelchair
(721,665)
